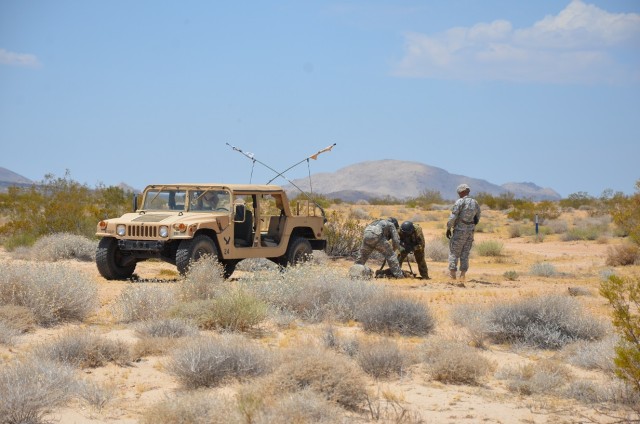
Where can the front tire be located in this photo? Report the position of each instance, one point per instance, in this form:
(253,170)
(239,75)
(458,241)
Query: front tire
(192,250)
(112,265)
(299,251)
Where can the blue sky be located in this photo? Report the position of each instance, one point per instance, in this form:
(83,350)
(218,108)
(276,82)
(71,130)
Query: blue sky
(145,92)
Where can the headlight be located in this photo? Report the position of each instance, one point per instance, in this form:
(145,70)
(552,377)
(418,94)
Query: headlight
(121,230)
(164,231)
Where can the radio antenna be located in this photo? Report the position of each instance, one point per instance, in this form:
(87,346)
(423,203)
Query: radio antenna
(281,174)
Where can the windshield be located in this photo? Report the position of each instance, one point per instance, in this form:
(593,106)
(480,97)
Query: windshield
(164,199)
(209,200)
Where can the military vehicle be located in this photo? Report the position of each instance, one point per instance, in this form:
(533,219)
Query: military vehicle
(180,223)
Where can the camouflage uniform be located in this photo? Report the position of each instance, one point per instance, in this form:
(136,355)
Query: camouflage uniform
(414,242)
(465,214)
(381,235)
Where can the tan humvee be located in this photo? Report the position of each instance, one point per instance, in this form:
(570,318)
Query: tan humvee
(179,223)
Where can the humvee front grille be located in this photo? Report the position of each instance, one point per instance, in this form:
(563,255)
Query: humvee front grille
(142,231)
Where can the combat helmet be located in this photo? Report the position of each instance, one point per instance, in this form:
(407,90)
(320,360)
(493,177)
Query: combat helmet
(394,221)
(407,227)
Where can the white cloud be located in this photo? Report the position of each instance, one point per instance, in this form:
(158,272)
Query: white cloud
(18,59)
(581,44)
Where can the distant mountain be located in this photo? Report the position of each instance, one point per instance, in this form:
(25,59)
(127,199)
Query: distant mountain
(9,178)
(404,179)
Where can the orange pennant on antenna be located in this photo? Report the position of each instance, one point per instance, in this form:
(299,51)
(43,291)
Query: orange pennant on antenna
(326,149)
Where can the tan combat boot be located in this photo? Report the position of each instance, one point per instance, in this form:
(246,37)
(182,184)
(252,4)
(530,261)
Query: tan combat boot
(452,274)
(462,274)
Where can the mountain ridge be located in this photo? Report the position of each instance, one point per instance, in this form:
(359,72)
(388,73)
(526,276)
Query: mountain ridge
(406,179)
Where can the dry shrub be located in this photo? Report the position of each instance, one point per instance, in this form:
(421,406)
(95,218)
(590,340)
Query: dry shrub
(389,313)
(95,394)
(85,349)
(210,361)
(60,246)
(198,407)
(455,362)
(31,388)
(54,293)
(623,254)
(312,292)
(547,322)
(437,250)
(597,355)
(159,336)
(166,328)
(349,346)
(543,269)
(382,359)
(332,375)
(8,333)
(557,226)
(153,346)
(20,318)
(234,310)
(143,302)
(202,280)
(542,377)
(306,406)
(511,275)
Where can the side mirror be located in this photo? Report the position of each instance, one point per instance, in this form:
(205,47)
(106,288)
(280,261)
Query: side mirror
(135,202)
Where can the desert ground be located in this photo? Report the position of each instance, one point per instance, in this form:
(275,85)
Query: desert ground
(413,395)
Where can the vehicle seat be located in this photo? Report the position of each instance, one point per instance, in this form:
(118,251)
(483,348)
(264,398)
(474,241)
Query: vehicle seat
(276,228)
(243,231)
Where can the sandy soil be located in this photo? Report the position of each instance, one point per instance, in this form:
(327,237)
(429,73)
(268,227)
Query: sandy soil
(580,264)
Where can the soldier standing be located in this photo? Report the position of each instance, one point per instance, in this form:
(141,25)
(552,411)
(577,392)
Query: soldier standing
(465,215)
(381,235)
(412,240)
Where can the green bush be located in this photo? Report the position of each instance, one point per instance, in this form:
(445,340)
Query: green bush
(344,235)
(623,295)
(489,248)
(57,205)
(625,212)
(235,310)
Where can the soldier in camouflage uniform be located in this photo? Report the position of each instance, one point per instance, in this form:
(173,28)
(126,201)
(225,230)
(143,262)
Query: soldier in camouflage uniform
(465,215)
(412,240)
(381,235)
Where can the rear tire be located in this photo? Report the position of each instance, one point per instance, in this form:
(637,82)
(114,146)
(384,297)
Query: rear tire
(299,251)
(111,264)
(194,249)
